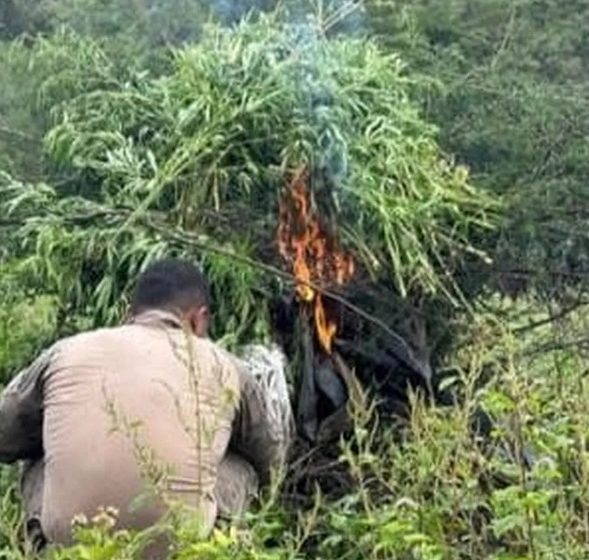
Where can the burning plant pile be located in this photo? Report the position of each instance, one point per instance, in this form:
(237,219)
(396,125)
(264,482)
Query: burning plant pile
(374,225)
(318,263)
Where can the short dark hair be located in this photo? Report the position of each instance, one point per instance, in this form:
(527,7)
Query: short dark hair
(171,285)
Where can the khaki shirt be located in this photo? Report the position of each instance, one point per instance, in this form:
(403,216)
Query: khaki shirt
(132,417)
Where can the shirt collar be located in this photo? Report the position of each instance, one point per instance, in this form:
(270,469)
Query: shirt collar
(157,318)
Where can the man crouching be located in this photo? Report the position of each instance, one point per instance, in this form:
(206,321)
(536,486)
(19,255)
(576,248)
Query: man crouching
(201,415)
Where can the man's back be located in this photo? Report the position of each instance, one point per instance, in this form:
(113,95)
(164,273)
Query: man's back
(122,404)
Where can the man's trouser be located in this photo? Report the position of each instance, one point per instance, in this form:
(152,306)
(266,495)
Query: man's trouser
(237,483)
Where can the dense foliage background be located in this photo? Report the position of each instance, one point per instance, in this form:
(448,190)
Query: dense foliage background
(448,142)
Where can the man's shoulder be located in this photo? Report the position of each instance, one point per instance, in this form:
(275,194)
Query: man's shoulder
(90,336)
(224,356)
(101,341)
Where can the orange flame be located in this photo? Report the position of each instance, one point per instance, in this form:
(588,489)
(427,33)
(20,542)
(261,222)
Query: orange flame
(314,255)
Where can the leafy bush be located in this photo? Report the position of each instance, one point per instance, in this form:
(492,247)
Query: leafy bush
(195,160)
(27,322)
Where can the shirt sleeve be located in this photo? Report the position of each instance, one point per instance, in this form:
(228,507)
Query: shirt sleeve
(21,412)
(260,434)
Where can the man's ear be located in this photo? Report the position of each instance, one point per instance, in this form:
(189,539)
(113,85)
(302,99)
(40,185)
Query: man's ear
(198,319)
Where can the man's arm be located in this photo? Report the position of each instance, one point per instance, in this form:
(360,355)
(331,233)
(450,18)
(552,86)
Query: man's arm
(21,413)
(262,430)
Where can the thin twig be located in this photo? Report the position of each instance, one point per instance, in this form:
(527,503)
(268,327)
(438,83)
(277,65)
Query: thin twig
(18,133)
(554,346)
(561,315)
(402,350)
(506,37)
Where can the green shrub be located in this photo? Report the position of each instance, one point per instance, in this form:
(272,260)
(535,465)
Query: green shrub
(27,323)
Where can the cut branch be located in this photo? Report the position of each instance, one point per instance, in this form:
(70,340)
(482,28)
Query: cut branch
(397,344)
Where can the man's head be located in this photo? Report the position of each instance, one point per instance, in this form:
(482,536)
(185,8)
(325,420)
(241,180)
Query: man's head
(178,287)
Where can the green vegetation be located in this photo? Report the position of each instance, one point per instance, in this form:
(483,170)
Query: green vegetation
(446,142)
